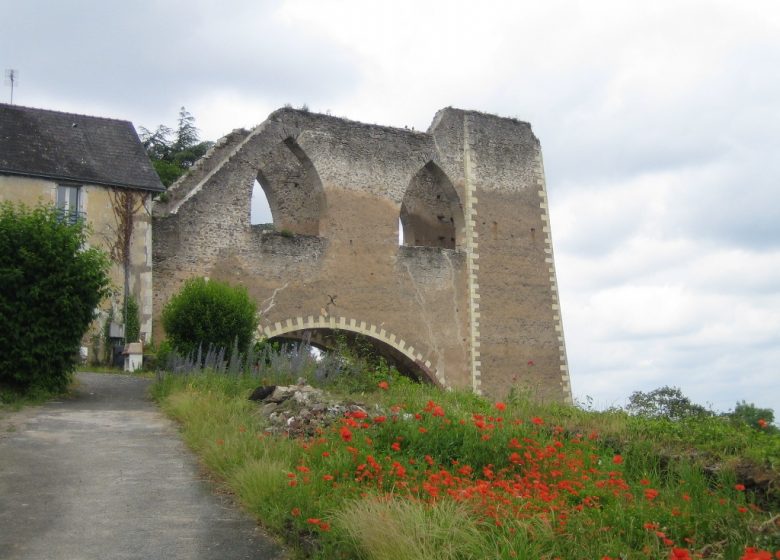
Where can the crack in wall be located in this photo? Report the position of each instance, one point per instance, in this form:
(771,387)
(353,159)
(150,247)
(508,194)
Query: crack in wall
(272,299)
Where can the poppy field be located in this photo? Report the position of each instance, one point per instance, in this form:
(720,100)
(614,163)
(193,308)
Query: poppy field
(420,473)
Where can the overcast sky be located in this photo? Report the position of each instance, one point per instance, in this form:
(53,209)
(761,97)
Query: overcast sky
(659,123)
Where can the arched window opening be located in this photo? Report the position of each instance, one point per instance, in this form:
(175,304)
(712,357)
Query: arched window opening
(291,190)
(431,213)
(260,210)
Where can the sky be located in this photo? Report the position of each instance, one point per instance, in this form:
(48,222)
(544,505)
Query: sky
(659,124)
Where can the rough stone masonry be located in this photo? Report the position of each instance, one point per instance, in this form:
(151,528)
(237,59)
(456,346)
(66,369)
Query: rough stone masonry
(468,300)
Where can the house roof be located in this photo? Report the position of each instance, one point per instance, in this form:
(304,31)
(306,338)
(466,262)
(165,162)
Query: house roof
(74,148)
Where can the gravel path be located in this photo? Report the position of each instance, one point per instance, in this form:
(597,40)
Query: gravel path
(104,475)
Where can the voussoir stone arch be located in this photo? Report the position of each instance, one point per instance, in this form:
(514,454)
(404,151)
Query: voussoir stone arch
(296,324)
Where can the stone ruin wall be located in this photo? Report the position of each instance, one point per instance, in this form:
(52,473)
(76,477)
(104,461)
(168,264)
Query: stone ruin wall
(469,301)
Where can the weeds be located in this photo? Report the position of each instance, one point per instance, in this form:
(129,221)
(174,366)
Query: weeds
(450,475)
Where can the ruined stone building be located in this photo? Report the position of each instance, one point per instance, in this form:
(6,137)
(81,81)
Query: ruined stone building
(468,300)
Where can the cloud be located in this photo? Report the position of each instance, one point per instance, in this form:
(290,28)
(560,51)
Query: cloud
(658,122)
(150,57)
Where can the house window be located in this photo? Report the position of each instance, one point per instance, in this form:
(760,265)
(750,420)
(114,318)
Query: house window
(69,202)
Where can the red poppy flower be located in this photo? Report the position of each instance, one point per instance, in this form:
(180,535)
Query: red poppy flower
(617,459)
(383,385)
(500,406)
(739,487)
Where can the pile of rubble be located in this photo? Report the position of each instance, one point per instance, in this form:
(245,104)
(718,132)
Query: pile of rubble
(300,410)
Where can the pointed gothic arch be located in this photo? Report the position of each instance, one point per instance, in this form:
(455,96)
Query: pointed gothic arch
(431,211)
(292,187)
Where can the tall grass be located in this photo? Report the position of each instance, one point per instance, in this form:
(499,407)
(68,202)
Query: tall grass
(431,474)
(389,528)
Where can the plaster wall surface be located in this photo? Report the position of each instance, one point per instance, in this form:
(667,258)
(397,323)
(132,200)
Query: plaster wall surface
(469,301)
(95,204)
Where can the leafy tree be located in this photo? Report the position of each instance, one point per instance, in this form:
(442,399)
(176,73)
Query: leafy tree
(664,402)
(186,131)
(209,313)
(157,143)
(173,152)
(750,414)
(50,285)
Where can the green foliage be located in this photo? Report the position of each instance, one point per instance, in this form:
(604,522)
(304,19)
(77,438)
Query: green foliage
(209,313)
(186,131)
(107,350)
(50,285)
(163,351)
(13,398)
(168,171)
(664,402)
(173,152)
(452,475)
(750,414)
(132,320)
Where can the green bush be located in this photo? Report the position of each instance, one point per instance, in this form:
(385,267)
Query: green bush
(50,285)
(209,313)
(750,414)
(132,321)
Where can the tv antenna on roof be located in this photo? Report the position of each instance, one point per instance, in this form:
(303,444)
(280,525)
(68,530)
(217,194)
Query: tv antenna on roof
(12,78)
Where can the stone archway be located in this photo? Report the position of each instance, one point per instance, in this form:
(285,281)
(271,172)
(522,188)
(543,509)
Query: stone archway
(391,346)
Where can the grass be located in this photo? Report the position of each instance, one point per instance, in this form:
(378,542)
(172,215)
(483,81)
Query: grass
(431,474)
(13,399)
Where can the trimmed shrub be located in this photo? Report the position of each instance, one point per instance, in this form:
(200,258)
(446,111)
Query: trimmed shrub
(209,313)
(133,320)
(50,285)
